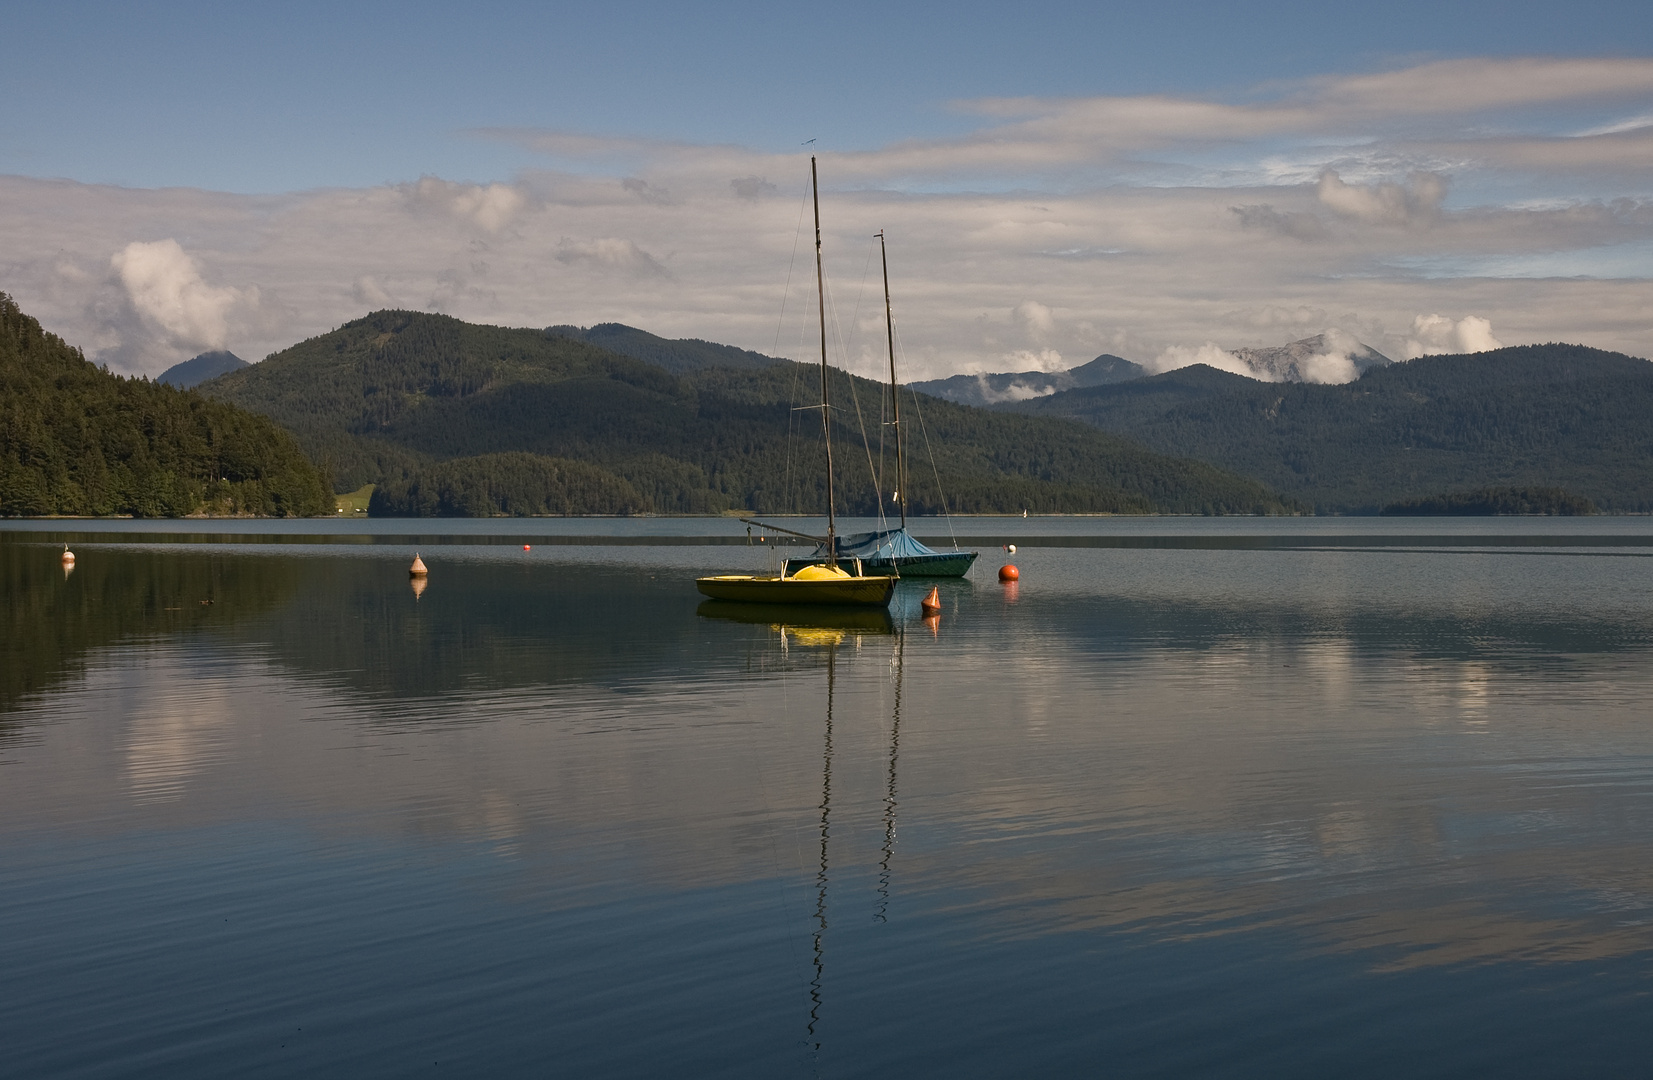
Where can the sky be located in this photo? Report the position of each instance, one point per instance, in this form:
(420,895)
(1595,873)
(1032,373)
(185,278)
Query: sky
(1168,182)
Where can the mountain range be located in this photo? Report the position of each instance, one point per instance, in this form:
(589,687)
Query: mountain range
(451,417)
(1011,387)
(1329,357)
(1544,416)
(447,417)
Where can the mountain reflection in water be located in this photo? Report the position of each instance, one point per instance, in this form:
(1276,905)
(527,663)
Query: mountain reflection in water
(1197,810)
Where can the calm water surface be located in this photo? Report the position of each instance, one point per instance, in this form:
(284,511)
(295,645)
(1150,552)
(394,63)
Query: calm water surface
(1213,798)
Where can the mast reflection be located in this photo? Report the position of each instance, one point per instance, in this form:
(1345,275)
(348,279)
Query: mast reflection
(880,913)
(821,874)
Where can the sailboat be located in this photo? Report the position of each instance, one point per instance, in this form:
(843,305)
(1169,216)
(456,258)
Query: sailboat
(892,551)
(817,583)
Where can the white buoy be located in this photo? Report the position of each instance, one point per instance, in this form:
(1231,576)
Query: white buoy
(1010,548)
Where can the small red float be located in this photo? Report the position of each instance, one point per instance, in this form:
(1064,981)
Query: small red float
(525,547)
(1008,572)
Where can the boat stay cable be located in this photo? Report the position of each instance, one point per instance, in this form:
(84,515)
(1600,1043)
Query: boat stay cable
(787,492)
(918,410)
(855,398)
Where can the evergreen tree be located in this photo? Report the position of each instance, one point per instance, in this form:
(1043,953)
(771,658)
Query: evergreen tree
(75,439)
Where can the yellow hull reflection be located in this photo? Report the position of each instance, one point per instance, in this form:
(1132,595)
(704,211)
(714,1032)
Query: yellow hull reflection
(802,619)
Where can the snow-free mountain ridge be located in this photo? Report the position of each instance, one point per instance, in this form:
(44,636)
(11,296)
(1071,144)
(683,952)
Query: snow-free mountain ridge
(193,372)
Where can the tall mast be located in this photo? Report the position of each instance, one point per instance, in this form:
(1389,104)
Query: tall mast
(826,408)
(895,388)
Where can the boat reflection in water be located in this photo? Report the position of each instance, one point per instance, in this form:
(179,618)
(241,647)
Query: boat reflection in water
(802,619)
(829,628)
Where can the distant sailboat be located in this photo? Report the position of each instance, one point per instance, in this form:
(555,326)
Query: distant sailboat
(823,582)
(892,550)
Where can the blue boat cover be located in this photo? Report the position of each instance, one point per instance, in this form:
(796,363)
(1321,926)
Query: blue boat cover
(893,544)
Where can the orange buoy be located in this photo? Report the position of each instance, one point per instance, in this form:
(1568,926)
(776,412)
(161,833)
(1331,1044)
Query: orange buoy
(1007,572)
(68,556)
(418,567)
(525,547)
(931,605)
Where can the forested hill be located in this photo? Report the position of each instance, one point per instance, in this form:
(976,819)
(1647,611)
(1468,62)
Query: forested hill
(449,417)
(676,355)
(75,439)
(1558,416)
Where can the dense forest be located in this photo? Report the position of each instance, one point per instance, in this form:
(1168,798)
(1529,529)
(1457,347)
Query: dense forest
(75,439)
(1495,501)
(514,484)
(676,355)
(1557,416)
(421,404)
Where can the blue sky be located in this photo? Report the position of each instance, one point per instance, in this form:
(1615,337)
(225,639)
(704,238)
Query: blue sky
(1162,181)
(287,96)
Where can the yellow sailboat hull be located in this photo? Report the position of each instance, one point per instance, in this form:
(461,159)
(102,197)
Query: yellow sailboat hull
(843,591)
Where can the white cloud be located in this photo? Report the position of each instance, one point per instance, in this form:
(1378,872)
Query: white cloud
(1416,201)
(490,207)
(1035,319)
(367,290)
(610,253)
(165,288)
(1176,221)
(1028,360)
(1331,368)
(1618,127)
(1435,335)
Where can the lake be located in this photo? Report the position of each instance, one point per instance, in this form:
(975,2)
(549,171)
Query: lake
(1197,797)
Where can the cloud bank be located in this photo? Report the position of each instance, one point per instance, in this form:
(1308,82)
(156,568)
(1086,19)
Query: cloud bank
(1414,210)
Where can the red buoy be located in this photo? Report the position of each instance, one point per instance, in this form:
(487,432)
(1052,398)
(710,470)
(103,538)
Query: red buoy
(931,605)
(525,547)
(1007,572)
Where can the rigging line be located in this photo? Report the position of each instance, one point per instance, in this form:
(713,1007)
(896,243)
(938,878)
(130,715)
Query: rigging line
(791,265)
(860,297)
(856,398)
(855,328)
(792,398)
(799,370)
(919,412)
